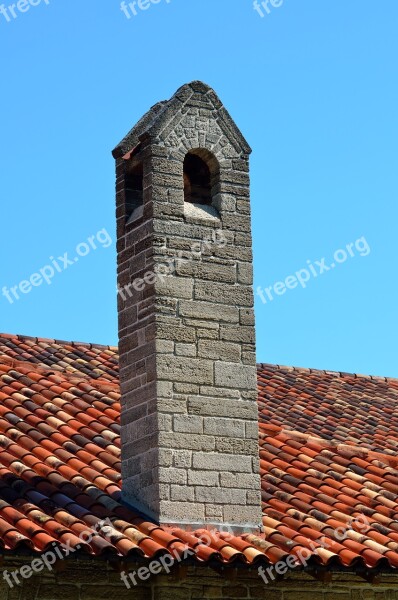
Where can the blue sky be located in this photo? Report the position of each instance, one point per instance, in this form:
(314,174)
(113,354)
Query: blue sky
(313,87)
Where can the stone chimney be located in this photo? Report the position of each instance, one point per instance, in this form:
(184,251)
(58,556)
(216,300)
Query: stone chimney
(186,321)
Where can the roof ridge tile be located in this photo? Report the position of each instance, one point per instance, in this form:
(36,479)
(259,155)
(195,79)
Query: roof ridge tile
(23,338)
(340,374)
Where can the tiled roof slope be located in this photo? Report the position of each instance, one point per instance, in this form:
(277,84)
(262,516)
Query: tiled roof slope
(339,407)
(321,464)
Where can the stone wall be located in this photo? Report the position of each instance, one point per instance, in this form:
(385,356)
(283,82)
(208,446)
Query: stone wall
(98,581)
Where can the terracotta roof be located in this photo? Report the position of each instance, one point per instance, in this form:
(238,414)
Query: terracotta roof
(339,407)
(327,445)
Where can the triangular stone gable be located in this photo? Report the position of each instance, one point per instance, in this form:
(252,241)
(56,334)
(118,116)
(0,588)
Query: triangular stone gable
(163,121)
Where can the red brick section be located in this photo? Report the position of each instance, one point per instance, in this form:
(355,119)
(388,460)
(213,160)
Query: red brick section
(327,456)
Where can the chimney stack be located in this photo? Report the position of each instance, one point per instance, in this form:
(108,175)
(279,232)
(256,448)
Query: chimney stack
(186,320)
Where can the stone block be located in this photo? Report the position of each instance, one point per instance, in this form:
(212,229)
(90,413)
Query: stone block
(165,346)
(187,441)
(207,334)
(208,461)
(197,323)
(176,287)
(164,422)
(243,334)
(223,407)
(245,273)
(173,475)
(165,457)
(185,349)
(188,424)
(235,295)
(254,496)
(250,515)
(201,477)
(220,495)
(234,480)
(236,446)
(173,405)
(249,358)
(175,332)
(182,511)
(213,513)
(224,427)
(182,493)
(182,459)
(231,375)
(189,370)
(209,311)
(164,389)
(236,222)
(251,430)
(219,350)
(246,316)
(213,272)
(207,390)
(185,388)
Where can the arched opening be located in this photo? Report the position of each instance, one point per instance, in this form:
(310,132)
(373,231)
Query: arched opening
(134,191)
(197,180)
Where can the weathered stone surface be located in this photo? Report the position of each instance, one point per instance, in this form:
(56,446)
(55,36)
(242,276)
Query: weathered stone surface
(254,496)
(230,375)
(242,334)
(182,459)
(176,287)
(165,346)
(185,388)
(224,427)
(209,478)
(246,316)
(223,293)
(188,424)
(221,407)
(245,273)
(87,580)
(236,446)
(187,441)
(177,333)
(187,335)
(246,514)
(213,461)
(217,392)
(218,350)
(185,349)
(213,272)
(179,368)
(201,324)
(189,512)
(235,480)
(164,389)
(182,493)
(173,405)
(220,495)
(207,334)
(173,475)
(208,310)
